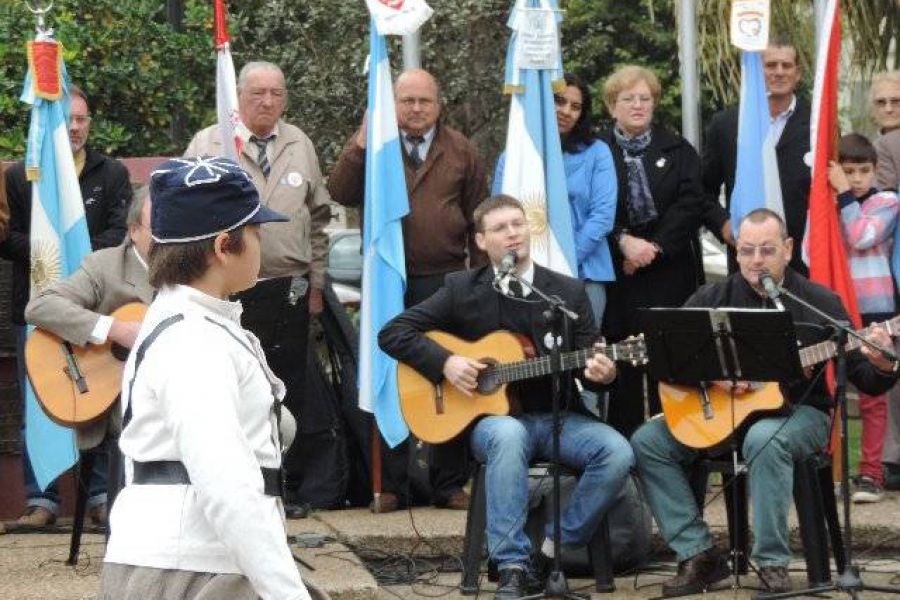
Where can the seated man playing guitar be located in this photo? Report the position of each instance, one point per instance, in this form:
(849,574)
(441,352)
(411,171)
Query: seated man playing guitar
(770,444)
(469,306)
(77,309)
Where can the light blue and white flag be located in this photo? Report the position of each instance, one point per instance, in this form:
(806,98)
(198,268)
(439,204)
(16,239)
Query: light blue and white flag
(384,261)
(59,240)
(533,172)
(756,180)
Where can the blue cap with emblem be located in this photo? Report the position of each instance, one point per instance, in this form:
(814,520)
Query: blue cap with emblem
(198,198)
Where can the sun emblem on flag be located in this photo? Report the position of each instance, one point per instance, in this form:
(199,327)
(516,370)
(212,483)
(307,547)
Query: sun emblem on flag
(46,264)
(535,205)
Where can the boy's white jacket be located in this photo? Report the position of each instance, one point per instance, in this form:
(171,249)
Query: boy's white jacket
(204,396)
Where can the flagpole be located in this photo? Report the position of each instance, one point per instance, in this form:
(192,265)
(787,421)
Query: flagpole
(690,81)
(412,51)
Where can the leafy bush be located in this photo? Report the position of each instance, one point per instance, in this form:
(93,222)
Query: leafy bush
(151,87)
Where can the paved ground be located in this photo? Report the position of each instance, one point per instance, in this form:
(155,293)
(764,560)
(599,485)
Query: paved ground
(32,566)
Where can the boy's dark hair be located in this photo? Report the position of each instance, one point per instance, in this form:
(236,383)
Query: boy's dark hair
(172,264)
(491,204)
(581,134)
(856,148)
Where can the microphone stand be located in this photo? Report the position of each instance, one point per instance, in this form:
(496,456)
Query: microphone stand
(558,317)
(849,580)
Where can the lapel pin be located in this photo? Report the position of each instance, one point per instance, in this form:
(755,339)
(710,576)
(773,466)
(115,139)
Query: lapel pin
(661,163)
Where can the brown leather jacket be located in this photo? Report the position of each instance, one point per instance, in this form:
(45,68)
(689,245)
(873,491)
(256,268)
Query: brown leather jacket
(438,232)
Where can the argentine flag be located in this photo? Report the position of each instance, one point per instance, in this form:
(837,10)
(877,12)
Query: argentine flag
(384,262)
(756,179)
(59,240)
(533,170)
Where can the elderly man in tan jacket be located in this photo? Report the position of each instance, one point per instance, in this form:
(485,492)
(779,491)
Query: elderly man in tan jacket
(284,166)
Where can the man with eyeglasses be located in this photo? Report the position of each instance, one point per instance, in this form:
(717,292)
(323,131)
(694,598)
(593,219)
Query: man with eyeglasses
(770,444)
(790,129)
(106,193)
(284,166)
(445,179)
(885,96)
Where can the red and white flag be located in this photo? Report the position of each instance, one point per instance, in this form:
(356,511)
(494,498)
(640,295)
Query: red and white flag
(233,131)
(824,243)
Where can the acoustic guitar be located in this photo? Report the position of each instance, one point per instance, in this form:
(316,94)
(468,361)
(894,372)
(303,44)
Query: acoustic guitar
(76,385)
(437,413)
(701,417)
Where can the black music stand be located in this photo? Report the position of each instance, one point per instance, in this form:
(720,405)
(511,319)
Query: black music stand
(694,346)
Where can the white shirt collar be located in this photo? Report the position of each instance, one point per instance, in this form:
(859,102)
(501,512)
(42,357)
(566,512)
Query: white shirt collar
(226,309)
(786,113)
(427,137)
(527,276)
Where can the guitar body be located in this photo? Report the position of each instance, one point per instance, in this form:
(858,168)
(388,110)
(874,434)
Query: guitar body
(57,393)
(696,427)
(438,413)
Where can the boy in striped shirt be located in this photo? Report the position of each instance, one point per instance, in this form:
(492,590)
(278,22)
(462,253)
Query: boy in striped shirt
(869,220)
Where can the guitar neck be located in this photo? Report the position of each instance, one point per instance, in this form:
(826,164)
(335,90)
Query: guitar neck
(823,351)
(540,366)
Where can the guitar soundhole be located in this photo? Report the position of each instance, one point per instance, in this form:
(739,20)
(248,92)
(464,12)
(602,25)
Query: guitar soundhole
(489,378)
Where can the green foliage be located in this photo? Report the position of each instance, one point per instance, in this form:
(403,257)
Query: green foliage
(151,87)
(139,74)
(599,36)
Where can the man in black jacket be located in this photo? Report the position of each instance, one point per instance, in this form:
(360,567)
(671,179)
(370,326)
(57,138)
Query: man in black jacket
(790,126)
(770,444)
(472,304)
(106,192)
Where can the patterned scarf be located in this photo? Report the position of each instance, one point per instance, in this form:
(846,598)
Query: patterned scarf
(638,200)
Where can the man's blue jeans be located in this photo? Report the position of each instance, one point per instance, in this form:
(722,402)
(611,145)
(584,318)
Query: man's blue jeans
(49,498)
(506,445)
(770,447)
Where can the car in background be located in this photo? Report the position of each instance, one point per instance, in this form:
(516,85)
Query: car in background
(345,264)
(715,259)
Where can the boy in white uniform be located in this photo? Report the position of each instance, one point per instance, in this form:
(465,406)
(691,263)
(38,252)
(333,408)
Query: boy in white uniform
(201,515)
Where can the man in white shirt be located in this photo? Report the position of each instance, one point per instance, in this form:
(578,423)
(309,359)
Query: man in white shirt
(790,128)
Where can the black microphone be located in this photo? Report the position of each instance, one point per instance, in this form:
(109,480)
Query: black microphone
(507,264)
(772,291)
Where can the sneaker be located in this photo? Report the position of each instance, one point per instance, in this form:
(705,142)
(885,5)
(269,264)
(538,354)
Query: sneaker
(36,517)
(867,490)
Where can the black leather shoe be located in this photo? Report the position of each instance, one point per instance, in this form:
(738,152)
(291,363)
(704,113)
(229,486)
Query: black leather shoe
(773,580)
(697,573)
(512,584)
(538,571)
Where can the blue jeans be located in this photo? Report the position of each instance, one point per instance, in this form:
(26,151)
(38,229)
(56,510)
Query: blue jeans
(770,446)
(506,445)
(49,498)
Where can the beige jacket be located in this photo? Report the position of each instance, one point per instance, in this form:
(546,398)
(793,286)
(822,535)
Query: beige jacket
(887,174)
(70,308)
(295,188)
